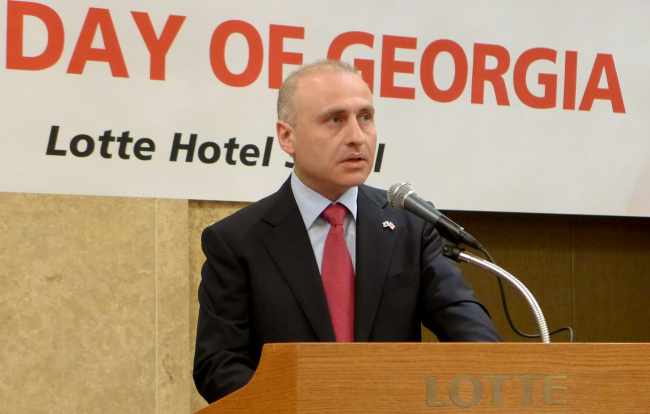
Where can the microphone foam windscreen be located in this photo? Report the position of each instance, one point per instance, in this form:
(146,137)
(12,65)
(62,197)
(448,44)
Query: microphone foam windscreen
(397,193)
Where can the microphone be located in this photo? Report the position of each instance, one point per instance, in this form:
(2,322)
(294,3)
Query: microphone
(401,195)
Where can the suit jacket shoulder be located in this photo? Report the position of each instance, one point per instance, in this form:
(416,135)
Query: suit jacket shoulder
(272,209)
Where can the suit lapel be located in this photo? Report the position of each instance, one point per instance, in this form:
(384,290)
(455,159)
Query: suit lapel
(375,245)
(289,246)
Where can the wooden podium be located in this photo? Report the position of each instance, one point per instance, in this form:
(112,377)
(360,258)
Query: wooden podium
(444,378)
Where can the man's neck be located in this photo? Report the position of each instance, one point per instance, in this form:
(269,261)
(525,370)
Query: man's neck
(311,203)
(331,195)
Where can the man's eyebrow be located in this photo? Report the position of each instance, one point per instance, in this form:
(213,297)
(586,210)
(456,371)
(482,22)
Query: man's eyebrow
(331,112)
(368,108)
(338,111)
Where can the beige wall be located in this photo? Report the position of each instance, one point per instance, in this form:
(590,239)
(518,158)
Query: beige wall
(98,300)
(93,305)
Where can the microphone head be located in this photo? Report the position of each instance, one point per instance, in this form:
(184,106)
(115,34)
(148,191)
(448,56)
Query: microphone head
(398,192)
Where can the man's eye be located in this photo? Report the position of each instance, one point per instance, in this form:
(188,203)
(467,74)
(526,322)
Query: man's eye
(365,117)
(335,119)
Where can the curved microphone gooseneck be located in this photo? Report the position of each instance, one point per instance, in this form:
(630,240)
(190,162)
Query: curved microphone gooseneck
(401,195)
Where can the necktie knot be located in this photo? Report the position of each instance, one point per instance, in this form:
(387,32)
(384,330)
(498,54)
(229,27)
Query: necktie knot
(335,214)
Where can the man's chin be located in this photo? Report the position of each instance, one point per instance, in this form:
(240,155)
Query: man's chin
(355,179)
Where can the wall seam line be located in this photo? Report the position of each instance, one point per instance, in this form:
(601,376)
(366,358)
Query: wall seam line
(189,305)
(156,297)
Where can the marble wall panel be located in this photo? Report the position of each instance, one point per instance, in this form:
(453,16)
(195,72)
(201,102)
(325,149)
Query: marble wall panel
(77,304)
(172,292)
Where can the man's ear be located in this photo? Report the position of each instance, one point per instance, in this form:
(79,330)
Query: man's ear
(285,137)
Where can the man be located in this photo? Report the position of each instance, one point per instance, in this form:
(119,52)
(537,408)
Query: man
(278,271)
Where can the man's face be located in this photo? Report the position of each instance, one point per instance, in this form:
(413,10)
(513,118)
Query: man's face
(333,143)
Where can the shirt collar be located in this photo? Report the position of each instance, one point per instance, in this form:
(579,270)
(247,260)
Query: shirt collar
(312,204)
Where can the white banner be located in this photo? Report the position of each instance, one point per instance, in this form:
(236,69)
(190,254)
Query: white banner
(537,106)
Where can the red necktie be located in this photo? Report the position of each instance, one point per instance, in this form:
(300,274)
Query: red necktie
(338,275)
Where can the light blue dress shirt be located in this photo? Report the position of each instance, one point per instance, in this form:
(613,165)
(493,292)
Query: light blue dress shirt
(311,205)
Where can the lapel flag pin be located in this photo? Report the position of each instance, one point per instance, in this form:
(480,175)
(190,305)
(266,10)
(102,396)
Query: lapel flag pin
(389,224)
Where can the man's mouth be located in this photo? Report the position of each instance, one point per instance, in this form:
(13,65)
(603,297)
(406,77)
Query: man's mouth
(354,158)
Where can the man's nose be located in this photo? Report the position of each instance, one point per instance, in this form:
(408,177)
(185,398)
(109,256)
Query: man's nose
(354,134)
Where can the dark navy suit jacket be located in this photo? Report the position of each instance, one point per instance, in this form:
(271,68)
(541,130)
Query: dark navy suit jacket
(261,284)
